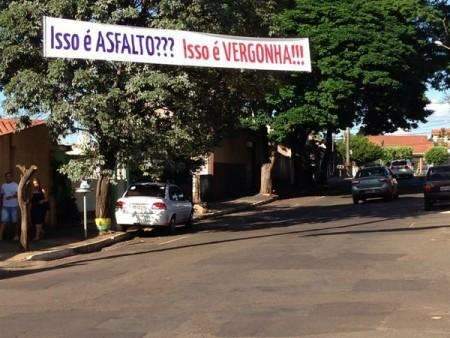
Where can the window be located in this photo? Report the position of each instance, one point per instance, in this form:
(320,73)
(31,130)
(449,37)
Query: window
(147,190)
(372,172)
(439,173)
(175,194)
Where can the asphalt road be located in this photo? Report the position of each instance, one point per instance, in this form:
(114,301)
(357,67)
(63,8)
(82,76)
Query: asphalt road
(303,267)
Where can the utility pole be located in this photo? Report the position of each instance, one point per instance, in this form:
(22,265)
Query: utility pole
(347,150)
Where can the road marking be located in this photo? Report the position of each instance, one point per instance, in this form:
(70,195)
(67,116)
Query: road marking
(174,240)
(412,224)
(445,212)
(436,317)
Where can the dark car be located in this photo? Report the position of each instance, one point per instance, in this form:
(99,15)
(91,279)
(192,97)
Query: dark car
(374,182)
(437,186)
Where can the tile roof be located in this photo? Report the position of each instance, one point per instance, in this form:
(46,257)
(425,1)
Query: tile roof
(420,144)
(8,126)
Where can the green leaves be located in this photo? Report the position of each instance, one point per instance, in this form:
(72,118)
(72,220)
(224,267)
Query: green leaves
(437,155)
(397,153)
(140,115)
(371,60)
(362,150)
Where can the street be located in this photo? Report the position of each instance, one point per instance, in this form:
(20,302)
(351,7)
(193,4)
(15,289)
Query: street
(311,266)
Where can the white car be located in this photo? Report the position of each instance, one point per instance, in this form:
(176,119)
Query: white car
(153,205)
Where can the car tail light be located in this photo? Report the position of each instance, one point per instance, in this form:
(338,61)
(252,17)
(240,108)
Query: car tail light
(428,187)
(120,204)
(355,182)
(159,206)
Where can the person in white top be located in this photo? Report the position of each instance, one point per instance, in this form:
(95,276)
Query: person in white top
(9,205)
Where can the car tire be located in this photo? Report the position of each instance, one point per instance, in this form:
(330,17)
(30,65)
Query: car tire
(428,205)
(355,200)
(172,227)
(389,197)
(122,227)
(190,222)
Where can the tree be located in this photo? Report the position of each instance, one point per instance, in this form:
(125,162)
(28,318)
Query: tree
(132,114)
(362,150)
(23,197)
(371,63)
(437,155)
(396,153)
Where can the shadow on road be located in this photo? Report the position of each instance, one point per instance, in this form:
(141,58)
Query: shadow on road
(284,215)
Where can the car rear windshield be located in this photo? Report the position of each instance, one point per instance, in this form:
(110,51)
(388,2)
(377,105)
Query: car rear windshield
(399,163)
(371,172)
(439,173)
(147,190)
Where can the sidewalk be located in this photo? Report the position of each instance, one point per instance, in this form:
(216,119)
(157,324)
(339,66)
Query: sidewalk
(65,242)
(217,209)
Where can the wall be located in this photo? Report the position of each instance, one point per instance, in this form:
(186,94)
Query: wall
(28,147)
(236,166)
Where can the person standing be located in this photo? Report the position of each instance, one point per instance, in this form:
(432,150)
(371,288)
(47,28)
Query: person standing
(39,207)
(10,205)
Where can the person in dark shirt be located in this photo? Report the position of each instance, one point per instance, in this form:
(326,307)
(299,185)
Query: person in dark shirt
(39,207)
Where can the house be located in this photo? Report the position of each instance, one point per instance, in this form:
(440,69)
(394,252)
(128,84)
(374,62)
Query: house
(28,146)
(233,168)
(441,136)
(419,144)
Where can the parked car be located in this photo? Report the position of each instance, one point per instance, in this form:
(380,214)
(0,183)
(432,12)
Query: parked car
(437,186)
(374,182)
(402,168)
(153,205)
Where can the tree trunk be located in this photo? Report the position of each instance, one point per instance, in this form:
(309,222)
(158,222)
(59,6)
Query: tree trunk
(102,197)
(23,197)
(196,192)
(301,163)
(266,172)
(326,157)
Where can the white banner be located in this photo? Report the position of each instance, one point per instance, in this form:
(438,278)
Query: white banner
(86,40)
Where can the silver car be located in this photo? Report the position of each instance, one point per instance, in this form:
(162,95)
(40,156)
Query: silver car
(402,168)
(374,182)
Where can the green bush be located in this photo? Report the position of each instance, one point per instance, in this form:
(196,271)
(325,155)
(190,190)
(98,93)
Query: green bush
(437,155)
(362,150)
(397,153)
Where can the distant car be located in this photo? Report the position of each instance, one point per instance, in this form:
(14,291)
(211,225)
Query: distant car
(374,182)
(153,205)
(437,186)
(402,168)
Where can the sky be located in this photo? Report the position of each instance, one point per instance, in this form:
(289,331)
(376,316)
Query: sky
(440,105)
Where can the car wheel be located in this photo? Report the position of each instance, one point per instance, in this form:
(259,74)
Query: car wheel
(355,200)
(172,228)
(121,227)
(190,222)
(428,205)
(388,197)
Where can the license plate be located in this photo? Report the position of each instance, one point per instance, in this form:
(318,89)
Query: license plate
(140,208)
(445,188)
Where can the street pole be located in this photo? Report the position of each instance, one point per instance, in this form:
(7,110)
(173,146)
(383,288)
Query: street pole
(347,150)
(85,215)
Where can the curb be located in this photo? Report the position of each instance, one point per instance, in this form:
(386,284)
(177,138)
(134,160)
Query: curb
(250,206)
(98,244)
(82,248)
